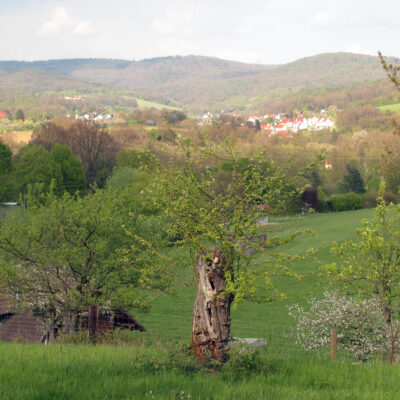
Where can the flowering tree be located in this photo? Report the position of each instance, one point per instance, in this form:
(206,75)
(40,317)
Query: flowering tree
(370,266)
(360,324)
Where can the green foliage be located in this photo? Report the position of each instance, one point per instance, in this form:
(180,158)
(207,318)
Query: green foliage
(142,159)
(352,181)
(20,115)
(206,212)
(174,116)
(35,167)
(72,170)
(5,159)
(78,251)
(370,265)
(346,201)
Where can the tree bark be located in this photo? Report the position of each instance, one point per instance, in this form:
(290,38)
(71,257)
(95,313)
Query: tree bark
(391,339)
(51,333)
(92,323)
(211,313)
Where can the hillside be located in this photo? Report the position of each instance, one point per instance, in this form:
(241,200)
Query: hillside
(202,83)
(199,83)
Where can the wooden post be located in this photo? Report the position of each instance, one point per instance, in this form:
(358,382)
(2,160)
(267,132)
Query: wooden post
(92,323)
(333,344)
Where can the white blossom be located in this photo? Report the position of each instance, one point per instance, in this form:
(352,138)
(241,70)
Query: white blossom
(359,324)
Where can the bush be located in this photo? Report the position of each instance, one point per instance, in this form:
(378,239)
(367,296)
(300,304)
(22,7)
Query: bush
(370,199)
(345,202)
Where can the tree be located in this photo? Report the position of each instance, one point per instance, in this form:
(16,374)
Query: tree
(370,266)
(20,115)
(217,222)
(5,159)
(391,167)
(6,188)
(35,167)
(352,181)
(93,146)
(72,170)
(359,324)
(75,252)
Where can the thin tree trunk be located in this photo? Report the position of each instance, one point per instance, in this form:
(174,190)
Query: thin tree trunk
(388,316)
(51,334)
(211,312)
(92,323)
(68,323)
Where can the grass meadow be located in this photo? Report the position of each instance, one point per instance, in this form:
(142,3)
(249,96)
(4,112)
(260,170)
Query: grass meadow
(143,369)
(37,372)
(391,107)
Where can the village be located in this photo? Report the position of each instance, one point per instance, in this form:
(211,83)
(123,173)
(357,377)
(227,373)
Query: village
(279,124)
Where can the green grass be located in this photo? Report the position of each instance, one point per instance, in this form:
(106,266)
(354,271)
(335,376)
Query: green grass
(171,316)
(143,370)
(391,107)
(148,104)
(104,372)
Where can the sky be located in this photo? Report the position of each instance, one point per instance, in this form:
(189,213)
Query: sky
(253,31)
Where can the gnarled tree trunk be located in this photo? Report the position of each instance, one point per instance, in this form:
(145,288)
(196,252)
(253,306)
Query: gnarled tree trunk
(212,309)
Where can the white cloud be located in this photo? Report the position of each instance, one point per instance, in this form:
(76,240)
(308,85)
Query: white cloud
(356,48)
(162,27)
(320,18)
(83,28)
(61,21)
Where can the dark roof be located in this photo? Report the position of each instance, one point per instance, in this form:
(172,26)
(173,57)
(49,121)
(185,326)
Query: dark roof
(21,327)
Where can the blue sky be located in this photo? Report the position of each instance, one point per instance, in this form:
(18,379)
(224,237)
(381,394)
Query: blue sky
(257,31)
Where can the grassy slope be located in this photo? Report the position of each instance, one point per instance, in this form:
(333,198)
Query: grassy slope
(152,104)
(139,372)
(391,107)
(171,316)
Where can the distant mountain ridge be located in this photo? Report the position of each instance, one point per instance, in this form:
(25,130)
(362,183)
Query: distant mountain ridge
(207,83)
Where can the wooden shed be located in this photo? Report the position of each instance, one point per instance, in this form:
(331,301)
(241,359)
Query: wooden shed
(28,328)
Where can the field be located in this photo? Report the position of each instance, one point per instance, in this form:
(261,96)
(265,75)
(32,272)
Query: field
(391,107)
(143,370)
(16,139)
(105,372)
(171,316)
(150,104)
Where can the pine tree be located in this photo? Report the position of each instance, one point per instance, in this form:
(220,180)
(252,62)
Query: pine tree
(20,115)
(352,181)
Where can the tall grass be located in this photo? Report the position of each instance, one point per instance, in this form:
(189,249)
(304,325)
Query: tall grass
(105,372)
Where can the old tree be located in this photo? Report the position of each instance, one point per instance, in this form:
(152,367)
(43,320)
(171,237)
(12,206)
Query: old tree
(213,211)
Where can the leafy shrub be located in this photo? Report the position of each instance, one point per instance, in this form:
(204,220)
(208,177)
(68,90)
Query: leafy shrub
(370,199)
(347,201)
(243,363)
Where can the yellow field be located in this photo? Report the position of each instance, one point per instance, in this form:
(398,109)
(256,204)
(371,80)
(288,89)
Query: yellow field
(16,139)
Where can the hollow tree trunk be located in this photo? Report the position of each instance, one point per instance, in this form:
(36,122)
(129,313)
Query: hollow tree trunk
(211,313)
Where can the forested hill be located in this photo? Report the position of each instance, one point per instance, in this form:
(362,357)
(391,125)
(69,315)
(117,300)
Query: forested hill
(206,83)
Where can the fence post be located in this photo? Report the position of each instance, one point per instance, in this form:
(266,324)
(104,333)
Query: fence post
(92,323)
(333,344)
